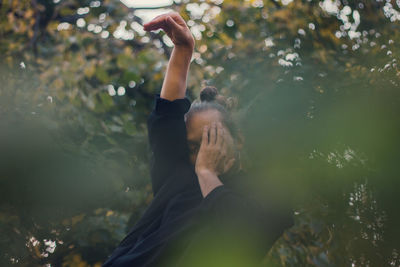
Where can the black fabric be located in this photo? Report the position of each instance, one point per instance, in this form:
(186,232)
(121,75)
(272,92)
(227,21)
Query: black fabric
(179,223)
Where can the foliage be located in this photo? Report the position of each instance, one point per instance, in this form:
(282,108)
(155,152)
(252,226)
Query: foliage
(318,84)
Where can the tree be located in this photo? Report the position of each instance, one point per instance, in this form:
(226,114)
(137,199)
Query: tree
(317,83)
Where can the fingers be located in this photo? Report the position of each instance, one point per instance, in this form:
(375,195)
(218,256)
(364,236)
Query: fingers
(156,24)
(204,138)
(173,24)
(213,134)
(217,134)
(178,18)
(171,19)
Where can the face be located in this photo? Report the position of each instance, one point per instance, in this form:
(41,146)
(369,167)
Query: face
(194,128)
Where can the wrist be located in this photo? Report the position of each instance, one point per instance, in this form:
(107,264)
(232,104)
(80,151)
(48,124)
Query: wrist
(208,181)
(185,48)
(205,172)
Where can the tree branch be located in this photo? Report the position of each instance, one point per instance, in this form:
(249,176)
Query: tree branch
(33,42)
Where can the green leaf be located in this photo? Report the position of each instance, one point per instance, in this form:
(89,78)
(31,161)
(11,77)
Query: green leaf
(102,75)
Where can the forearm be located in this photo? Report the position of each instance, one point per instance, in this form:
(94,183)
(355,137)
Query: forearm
(208,181)
(174,85)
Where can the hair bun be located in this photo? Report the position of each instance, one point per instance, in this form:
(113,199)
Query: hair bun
(208,94)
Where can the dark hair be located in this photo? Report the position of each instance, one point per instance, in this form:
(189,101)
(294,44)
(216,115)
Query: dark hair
(210,99)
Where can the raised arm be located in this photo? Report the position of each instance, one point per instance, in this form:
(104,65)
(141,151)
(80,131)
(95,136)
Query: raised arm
(166,124)
(174,85)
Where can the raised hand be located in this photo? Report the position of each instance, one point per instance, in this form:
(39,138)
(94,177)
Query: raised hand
(174,26)
(214,155)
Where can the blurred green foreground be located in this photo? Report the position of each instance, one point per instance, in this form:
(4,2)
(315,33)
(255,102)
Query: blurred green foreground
(319,97)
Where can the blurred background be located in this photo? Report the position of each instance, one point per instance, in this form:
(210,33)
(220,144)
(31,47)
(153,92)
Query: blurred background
(318,90)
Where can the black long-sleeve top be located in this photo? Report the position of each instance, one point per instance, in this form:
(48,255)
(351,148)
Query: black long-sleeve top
(180,227)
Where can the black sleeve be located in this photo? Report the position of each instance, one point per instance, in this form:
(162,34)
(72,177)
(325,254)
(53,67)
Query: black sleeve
(256,225)
(167,138)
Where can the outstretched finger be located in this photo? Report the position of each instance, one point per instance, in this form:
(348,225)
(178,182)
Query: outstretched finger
(213,134)
(204,138)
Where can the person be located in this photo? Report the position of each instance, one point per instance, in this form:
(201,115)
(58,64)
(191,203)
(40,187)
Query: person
(199,216)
